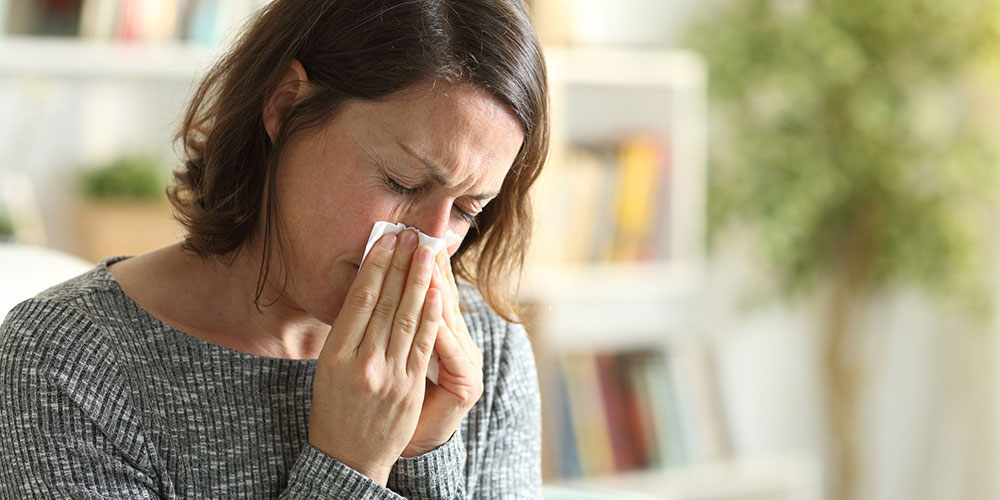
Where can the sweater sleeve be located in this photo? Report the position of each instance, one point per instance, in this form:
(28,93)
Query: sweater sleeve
(66,429)
(512,460)
(437,474)
(317,475)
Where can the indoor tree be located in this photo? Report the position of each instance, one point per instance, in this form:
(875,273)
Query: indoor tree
(848,139)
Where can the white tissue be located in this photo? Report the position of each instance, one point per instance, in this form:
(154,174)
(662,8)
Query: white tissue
(436,244)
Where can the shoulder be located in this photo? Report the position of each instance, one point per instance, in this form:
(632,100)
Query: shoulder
(59,367)
(59,330)
(508,356)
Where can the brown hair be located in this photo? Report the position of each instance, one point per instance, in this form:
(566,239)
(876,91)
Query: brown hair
(359,49)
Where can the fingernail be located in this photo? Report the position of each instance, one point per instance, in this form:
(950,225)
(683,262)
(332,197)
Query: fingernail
(408,240)
(424,256)
(387,241)
(437,271)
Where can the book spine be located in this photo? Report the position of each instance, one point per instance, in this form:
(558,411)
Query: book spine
(4,9)
(603,233)
(590,424)
(657,242)
(559,444)
(202,27)
(669,432)
(637,187)
(637,408)
(614,407)
(570,462)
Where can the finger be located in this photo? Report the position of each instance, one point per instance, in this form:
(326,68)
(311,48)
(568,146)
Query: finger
(407,320)
(423,341)
(445,263)
(454,365)
(363,294)
(452,317)
(380,327)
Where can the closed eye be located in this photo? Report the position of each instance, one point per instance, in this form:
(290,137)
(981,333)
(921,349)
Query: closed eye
(414,191)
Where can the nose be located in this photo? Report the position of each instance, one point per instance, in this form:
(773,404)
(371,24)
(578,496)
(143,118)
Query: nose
(431,218)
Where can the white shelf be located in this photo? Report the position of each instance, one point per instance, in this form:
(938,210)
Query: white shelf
(626,67)
(631,278)
(784,477)
(601,96)
(74,58)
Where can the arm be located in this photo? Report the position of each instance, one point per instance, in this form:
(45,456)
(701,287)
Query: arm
(438,474)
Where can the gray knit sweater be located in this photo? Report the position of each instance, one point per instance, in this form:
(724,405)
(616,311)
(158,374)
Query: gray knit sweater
(98,399)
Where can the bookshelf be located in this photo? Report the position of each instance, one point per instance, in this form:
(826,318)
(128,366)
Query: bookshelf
(83,82)
(630,399)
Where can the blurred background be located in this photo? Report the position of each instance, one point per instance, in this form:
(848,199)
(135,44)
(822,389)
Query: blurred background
(765,264)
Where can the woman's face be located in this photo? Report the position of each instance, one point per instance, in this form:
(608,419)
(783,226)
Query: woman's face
(430,157)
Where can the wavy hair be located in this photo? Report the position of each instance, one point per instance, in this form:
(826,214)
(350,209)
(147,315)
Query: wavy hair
(359,49)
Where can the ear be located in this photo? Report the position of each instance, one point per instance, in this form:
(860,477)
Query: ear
(293,88)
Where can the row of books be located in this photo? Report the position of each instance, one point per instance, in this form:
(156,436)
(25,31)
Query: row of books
(189,21)
(609,203)
(607,413)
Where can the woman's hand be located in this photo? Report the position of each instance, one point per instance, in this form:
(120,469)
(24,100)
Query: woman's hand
(369,383)
(460,374)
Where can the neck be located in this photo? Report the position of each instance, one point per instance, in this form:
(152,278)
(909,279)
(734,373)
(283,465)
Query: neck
(215,302)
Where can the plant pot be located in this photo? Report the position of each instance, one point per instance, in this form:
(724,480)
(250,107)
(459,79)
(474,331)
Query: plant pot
(104,228)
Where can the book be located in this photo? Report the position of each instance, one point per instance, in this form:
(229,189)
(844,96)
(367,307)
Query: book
(560,458)
(657,244)
(99,19)
(43,17)
(621,432)
(637,184)
(584,175)
(603,222)
(699,404)
(589,422)
(637,409)
(4,8)
(202,20)
(130,21)
(670,438)
(158,20)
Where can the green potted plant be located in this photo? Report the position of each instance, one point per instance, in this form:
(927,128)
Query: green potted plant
(123,208)
(7,234)
(844,140)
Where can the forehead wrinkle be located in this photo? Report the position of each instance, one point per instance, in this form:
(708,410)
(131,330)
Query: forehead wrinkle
(438,174)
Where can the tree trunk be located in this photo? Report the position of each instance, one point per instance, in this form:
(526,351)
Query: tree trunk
(842,395)
(843,370)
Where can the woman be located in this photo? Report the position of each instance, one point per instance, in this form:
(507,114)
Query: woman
(261,358)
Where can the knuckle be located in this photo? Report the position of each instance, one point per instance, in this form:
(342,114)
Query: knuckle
(469,396)
(364,298)
(422,354)
(380,260)
(400,264)
(407,322)
(385,307)
(370,377)
(421,280)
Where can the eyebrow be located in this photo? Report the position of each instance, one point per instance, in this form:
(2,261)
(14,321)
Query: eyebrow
(437,173)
